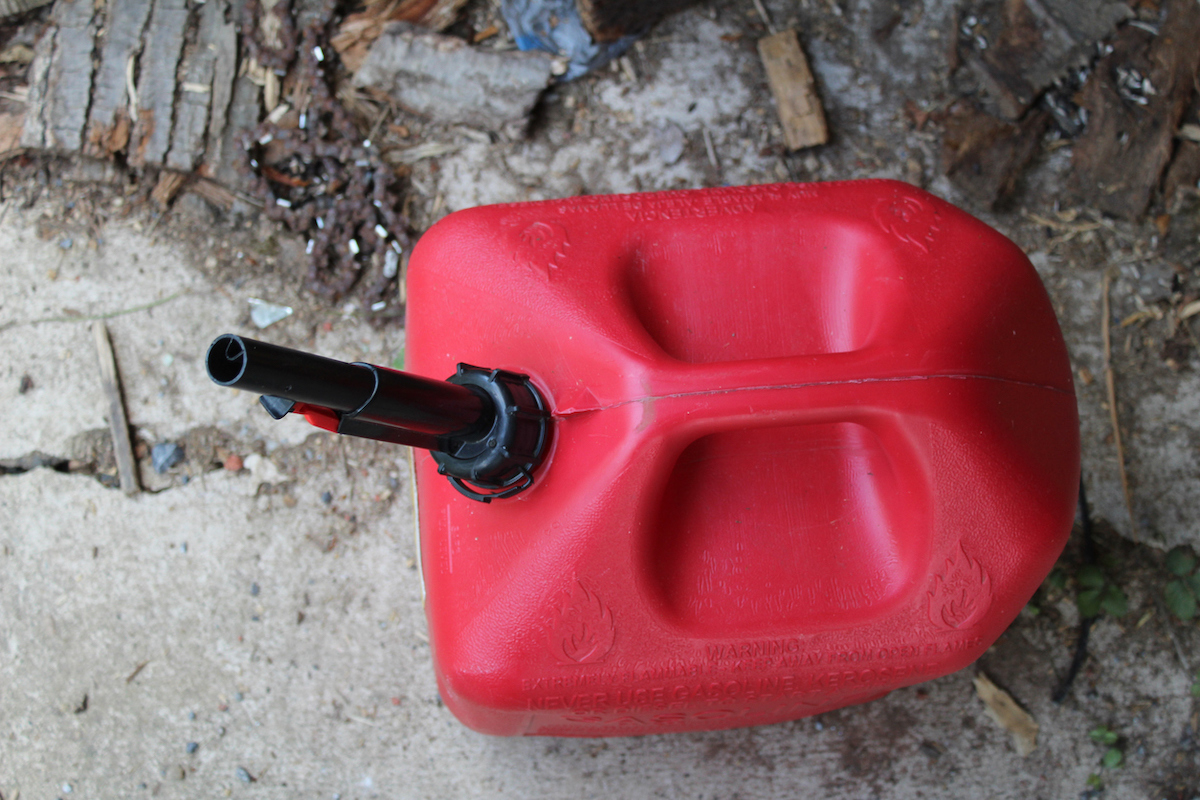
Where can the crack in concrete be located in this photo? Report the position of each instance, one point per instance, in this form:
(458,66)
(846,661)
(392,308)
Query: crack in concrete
(32,461)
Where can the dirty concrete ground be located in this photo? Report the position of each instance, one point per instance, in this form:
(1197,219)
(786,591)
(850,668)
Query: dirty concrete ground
(258,632)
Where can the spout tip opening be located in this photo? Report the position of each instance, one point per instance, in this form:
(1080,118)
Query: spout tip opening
(226,359)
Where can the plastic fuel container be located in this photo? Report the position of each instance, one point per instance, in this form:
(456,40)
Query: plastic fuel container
(714,458)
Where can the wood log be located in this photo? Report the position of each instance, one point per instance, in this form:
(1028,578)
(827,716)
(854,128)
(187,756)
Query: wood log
(196,90)
(156,82)
(11,8)
(110,121)
(224,74)
(60,79)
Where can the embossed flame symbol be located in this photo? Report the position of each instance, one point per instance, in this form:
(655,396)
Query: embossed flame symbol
(584,631)
(544,246)
(961,594)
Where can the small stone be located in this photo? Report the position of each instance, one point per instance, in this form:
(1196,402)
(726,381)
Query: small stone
(67,788)
(264,314)
(671,142)
(326,497)
(165,455)
(25,385)
(192,715)
(244,776)
(234,462)
(192,747)
(66,243)
(254,590)
(239,697)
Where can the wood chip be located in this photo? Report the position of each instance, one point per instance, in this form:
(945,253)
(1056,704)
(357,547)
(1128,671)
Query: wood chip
(794,90)
(117,421)
(11,126)
(214,193)
(485,34)
(1003,709)
(167,187)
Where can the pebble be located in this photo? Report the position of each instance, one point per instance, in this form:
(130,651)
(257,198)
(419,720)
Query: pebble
(191,715)
(254,590)
(326,497)
(671,142)
(67,788)
(239,697)
(192,747)
(165,455)
(244,776)
(66,243)
(234,463)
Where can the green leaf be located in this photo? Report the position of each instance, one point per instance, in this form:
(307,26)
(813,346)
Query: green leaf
(1057,578)
(1180,600)
(1113,758)
(1193,583)
(1088,603)
(1033,610)
(1181,561)
(1090,576)
(1103,735)
(1094,781)
(1114,602)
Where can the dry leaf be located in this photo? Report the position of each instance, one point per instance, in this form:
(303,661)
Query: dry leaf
(1001,707)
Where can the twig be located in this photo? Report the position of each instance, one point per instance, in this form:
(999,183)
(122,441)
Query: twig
(762,12)
(136,671)
(1110,382)
(1087,555)
(1170,628)
(712,151)
(117,421)
(94,317)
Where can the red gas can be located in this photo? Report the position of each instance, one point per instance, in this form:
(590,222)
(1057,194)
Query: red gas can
(806,444)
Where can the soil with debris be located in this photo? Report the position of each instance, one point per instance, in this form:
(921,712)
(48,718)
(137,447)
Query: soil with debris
(130,628)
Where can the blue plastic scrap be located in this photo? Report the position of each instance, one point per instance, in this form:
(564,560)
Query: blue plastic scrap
(556,27)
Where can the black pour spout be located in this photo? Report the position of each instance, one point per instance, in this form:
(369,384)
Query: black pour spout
(488,429)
